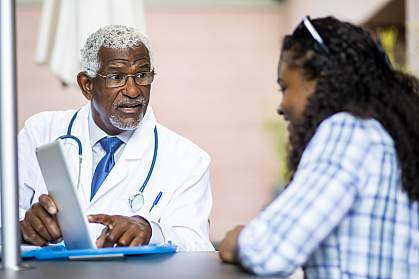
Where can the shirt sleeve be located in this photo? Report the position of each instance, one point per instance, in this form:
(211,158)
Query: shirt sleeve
(29,173)
(156,233)
(185,221)
(26,177)
(321,193)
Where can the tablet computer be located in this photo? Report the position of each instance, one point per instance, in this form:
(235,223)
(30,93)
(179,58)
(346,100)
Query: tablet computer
(60,185)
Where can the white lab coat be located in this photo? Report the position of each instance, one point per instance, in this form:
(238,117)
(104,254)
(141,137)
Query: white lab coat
(181,173)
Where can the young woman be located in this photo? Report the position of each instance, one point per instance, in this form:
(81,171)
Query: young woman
(351,209)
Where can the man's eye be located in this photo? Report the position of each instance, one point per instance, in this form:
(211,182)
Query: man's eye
(115,77)
(140,75)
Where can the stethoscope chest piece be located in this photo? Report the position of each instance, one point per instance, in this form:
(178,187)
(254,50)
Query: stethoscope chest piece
(136,202)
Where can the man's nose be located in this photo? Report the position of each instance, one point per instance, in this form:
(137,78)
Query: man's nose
(132,90)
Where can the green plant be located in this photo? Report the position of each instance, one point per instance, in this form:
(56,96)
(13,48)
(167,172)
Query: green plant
(280,134)
(389,39)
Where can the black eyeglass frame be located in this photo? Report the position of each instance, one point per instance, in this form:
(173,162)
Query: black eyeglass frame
(150,75)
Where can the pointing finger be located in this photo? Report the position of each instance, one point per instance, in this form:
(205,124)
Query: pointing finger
(103,219)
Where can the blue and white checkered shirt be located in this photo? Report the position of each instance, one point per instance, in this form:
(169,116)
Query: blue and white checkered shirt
(344,215)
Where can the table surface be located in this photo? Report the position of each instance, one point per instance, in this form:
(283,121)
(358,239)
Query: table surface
(200,265)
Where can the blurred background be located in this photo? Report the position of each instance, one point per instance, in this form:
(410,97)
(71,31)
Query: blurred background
(216,84)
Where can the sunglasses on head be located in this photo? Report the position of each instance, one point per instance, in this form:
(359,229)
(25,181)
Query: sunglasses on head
(309,26)
(314,34)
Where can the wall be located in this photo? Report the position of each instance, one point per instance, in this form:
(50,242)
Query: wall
(215,85)
(356,11)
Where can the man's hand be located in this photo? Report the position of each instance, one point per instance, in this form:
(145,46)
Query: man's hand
(40,224)
(122,230)
(228,246)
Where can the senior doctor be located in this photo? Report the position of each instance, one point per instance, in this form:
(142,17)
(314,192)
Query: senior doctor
(140,182)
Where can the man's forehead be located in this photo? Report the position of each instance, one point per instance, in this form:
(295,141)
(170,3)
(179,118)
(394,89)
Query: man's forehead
(130,54)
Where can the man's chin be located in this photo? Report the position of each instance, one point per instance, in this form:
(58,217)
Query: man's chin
(127,124)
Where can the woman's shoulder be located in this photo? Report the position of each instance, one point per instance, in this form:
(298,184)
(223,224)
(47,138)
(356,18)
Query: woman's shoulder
(345,124)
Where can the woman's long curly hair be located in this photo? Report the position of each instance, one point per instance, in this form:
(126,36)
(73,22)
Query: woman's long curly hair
(355,76)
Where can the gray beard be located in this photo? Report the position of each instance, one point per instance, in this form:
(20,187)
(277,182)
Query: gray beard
(126,126)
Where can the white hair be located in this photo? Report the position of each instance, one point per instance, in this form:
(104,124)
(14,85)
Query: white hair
(110,36)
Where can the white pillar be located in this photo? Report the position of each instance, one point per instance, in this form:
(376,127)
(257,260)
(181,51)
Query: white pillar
(8,151)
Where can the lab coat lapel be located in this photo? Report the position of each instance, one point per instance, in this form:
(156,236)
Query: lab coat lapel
(141,140)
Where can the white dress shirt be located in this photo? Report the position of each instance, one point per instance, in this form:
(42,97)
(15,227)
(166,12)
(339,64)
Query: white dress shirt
(96,134)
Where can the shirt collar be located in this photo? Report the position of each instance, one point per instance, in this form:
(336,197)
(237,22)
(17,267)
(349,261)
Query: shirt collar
(96,133)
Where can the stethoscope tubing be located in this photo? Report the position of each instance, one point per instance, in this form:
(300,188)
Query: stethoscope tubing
(80,152)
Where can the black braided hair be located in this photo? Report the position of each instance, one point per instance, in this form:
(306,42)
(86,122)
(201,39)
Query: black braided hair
(355,76)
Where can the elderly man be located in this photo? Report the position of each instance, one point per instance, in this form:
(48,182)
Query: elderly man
(140,182)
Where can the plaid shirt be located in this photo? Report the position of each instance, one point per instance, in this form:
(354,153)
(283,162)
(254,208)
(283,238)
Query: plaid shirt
(344,215)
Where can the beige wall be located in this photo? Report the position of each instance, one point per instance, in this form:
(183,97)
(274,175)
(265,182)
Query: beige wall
(412,23)
(215,85)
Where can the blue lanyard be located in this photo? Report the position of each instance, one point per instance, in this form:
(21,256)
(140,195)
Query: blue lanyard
(153,162)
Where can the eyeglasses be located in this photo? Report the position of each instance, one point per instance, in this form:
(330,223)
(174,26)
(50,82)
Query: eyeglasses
(314,34)
(120,79)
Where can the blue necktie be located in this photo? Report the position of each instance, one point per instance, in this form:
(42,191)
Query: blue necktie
(109,144)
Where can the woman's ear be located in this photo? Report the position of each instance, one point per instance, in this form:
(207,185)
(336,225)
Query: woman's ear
(85,84)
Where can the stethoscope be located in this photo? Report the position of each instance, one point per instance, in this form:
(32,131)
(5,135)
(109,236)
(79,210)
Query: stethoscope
(135,201)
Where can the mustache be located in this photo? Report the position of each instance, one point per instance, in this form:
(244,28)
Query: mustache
(141,101)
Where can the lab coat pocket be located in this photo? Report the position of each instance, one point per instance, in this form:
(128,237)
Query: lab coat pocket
(121,207)
(157,203)
(154,214)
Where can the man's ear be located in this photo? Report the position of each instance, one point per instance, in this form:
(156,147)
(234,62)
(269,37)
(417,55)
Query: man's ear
(85,84)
